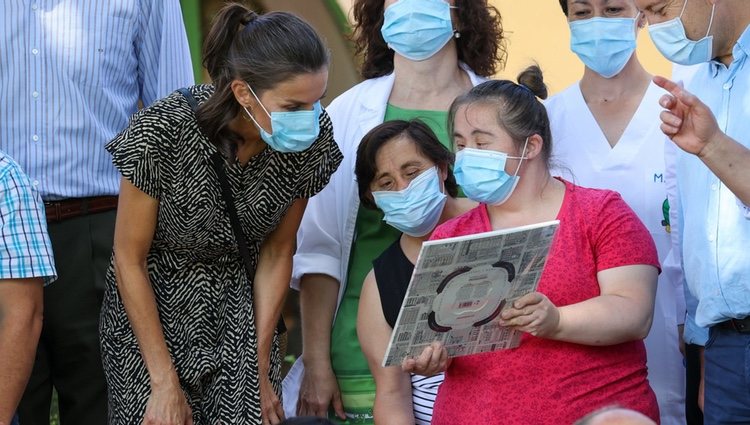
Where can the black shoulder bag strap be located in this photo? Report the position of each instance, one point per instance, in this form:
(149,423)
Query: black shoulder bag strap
(217,161)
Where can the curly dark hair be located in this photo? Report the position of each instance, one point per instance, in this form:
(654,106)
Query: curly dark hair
(481,45)
(564,6)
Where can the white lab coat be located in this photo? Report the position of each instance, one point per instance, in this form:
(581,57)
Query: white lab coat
(635,169)
(326,233)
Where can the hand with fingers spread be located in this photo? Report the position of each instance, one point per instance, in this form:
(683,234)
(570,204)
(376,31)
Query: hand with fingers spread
(533,313)
(272,412)
(167,405)
(433,360)
(686,120)
(318,391)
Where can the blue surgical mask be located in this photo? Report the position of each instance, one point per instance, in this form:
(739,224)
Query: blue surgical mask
(417,29)
(415,210)
(292,131)
(482,176)
(672,41)
(604,45)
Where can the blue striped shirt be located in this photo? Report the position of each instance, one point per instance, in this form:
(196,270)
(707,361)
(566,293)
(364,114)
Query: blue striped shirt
(71,75)
(25,249)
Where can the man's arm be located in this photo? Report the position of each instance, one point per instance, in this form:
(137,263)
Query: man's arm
(21,305)
(26,262)
(692,126)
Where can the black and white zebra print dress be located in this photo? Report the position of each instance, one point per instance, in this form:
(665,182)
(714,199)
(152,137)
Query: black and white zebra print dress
(204,297)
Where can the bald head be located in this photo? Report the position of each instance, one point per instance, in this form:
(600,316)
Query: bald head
(616,416)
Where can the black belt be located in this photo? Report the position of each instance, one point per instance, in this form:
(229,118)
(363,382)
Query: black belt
(737,325)
(69,208)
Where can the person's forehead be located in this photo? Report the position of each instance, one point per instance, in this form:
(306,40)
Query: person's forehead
(398,150)
(604,2)
(476,115)
(649,5)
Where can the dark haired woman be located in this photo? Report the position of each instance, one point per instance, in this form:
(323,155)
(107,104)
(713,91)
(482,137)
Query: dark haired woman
(418,55)
(404,171)
(582,345)
(188,325)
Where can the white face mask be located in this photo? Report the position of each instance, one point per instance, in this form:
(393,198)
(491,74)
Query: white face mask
(672,41)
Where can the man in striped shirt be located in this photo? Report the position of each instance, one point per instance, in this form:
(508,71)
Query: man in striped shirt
(25,264)
(73,72)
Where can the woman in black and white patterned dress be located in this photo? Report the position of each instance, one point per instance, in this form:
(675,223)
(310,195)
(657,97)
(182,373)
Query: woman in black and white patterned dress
(187,336)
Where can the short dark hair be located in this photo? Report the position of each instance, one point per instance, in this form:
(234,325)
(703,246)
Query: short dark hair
(564,6)
(481,45)
(519,112)
(418,133)
(263,50)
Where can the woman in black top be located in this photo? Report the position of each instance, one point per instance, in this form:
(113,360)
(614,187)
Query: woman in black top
(403,170)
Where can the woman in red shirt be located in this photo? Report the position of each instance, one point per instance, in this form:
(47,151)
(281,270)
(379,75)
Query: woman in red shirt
(582,345)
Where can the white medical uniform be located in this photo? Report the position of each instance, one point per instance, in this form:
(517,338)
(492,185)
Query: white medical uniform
(635,169)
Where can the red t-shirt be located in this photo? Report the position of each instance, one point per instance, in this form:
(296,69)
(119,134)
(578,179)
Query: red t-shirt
(552,382)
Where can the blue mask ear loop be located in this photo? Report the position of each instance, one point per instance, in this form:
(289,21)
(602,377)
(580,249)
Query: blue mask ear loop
(440,180)
(259,103)
(456,34)
(684,6)
(710,22)
(520,158)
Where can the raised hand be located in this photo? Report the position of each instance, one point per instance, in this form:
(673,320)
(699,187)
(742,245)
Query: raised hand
(686,120)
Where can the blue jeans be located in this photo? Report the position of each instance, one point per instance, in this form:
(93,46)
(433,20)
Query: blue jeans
(727,385)
(14,421)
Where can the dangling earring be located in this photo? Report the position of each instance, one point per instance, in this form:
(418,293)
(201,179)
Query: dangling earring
(456,34)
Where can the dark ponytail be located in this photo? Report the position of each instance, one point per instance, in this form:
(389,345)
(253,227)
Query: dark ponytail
(262,50)
(518,109)
(228,22)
